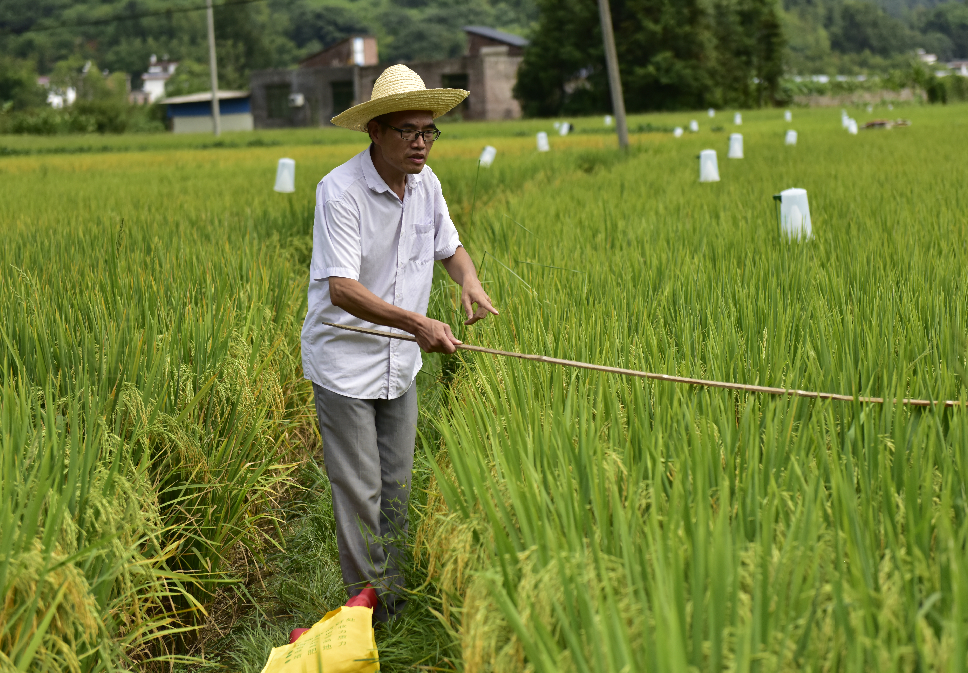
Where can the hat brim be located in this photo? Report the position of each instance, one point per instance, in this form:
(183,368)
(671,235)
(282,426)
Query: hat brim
(437,101)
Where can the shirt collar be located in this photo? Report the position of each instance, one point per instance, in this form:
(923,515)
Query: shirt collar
(373,179)
(377,183)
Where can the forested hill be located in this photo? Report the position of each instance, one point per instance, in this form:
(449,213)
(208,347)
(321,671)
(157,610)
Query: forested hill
(675,52)
(896,8)
(847,35)
(269,33)
(256,34)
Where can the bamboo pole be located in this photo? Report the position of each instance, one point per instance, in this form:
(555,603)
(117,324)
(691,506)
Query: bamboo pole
(614,79)
(216,116)
(763,390)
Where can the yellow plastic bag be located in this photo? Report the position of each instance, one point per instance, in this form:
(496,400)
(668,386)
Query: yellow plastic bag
(340,642)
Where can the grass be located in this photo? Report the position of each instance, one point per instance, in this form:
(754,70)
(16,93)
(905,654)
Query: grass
(158,442)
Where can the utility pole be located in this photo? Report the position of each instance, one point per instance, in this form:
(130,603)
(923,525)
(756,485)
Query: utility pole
(614,80)
(211,66)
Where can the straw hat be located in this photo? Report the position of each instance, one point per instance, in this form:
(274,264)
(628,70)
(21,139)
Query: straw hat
(399,88)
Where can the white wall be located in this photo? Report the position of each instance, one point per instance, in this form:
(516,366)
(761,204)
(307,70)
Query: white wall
(155,88)
(231,122)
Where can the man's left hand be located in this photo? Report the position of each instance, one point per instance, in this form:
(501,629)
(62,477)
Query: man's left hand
(473,293)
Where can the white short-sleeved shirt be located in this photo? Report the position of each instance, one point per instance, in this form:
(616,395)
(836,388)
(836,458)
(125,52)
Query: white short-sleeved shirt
(363,231)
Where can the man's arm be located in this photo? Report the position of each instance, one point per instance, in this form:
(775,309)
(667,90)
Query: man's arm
(352,296)
(461,269)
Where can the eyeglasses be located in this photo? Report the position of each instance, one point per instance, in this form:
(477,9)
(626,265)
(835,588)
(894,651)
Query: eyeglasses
(409,136)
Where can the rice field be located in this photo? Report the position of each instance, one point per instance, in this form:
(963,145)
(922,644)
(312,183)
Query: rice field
(158,438)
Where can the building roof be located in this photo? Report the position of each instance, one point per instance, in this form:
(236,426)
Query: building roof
(497,35)
(335,45)
(204,97)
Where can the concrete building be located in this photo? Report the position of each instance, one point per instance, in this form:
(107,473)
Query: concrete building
(481,37)
(927,58)
(959,67)
(193,113)
(153,81)
(355,50)
(327,83)
(57,98)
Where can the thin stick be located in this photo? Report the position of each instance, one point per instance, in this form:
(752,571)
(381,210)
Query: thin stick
(766,390)
(474,200)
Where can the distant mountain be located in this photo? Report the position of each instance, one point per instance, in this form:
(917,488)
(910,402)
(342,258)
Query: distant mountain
(855,35)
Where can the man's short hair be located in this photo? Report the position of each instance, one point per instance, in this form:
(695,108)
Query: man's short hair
(383,119)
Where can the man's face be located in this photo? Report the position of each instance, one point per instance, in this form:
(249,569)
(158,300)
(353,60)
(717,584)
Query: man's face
(406,156)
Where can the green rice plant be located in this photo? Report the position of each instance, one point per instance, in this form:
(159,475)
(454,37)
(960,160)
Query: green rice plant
(152,290)
(154,367)
(591,523)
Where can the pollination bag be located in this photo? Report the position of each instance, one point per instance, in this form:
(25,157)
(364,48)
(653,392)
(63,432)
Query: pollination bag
(340,642)
(788,116)
(677,132)
(790,138)
(487,156)
(694,126)
(708,166)
(608,120)
(735,146)
(286,176)
(794,214)
(711,112)
(543,145)
(737,119)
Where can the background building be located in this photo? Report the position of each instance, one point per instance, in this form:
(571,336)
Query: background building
(329,82)
(153,81)
(193,113)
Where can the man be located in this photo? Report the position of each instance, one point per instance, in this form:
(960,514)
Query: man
(381,221)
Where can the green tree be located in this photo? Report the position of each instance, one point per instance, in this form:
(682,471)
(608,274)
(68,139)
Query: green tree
(563,70)
(190,77)
(863,26)
(749,52)
(951,21)
(672,55)
(18,85)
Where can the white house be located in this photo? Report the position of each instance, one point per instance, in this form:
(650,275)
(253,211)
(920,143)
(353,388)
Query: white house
(927,58)
(57,98)
(959,67)
(158,73)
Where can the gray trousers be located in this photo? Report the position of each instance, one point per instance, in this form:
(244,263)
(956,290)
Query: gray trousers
(368,451)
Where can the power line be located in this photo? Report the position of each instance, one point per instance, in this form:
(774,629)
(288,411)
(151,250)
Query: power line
(126,17)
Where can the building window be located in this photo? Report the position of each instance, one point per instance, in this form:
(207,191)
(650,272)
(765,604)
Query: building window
(277,101)
(342,96)
(457,80)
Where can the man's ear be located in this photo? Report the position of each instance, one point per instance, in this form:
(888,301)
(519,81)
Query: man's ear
(373,129)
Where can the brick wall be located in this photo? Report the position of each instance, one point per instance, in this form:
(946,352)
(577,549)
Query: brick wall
(490,78)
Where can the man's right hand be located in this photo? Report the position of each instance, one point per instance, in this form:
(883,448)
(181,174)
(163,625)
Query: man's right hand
(434,336)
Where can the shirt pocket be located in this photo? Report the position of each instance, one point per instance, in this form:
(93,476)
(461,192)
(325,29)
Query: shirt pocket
(422,250)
